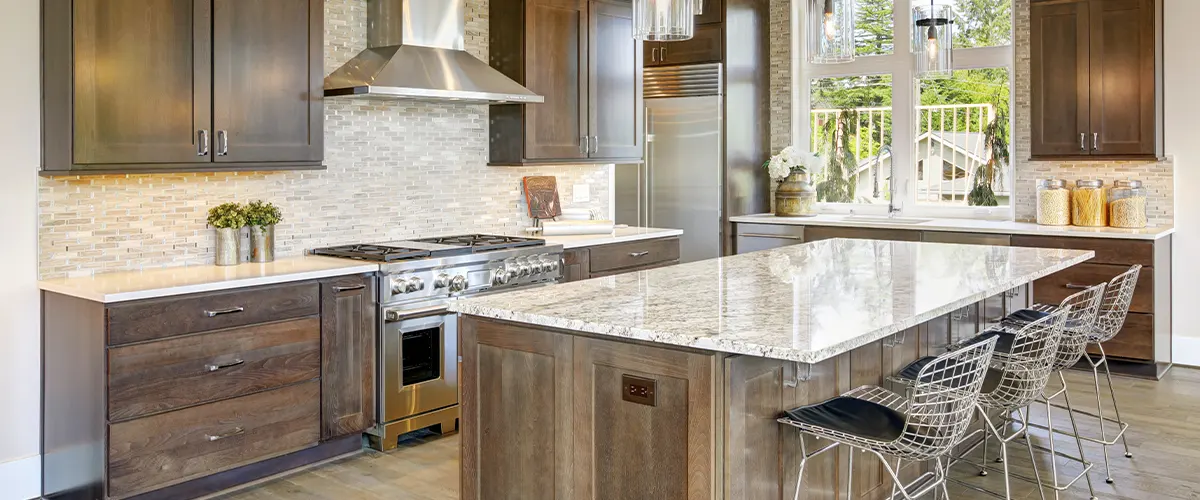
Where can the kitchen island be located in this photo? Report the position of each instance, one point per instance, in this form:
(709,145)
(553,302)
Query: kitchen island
(666,383)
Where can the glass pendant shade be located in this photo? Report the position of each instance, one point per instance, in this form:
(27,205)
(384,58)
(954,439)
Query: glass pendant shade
(933,40)
(663,20)
(830,31)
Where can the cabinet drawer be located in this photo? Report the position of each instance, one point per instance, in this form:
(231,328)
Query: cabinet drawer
(633,254)
(634,269)
(1053,289)
(159,318)
(169,448)
(1134,341)
(818,233)
(170,374)
(1108,251)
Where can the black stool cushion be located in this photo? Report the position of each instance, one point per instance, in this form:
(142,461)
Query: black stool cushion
(852,416)
(1004,341)
(1027,315)
(990,382)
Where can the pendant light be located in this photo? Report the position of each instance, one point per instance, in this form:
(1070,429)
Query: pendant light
(830,31)
(663,20)
(933,40)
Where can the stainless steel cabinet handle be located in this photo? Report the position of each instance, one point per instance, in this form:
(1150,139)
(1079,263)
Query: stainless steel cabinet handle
(583,147)
(595,144)
(237,431)
(1095,141)
(639,254)
(340,289)
(774,236)
(1082,141)
(662,54)
(202,144)
(219,312)
(897,339)
(654,54)
(1073,286)
(222,143)
(217,366)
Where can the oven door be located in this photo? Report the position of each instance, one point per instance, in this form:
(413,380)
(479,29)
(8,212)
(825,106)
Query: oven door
(419,354)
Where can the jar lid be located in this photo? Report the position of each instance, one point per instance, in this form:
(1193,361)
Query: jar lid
(1089,183)
(1053,183)
(1132,184)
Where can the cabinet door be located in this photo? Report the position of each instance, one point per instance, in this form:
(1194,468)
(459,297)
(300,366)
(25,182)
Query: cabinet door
(1122,77)
(706,46)
(516,411)
(267,80)
(615,82)
(556,45)
(1059,62)
(348,326)
(575,265)
(644,421)
(142,81)
(713,11)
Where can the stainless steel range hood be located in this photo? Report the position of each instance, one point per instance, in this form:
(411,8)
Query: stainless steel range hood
(415,51)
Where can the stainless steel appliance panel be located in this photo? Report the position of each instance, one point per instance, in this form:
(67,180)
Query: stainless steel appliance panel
(432,370)
(684,172)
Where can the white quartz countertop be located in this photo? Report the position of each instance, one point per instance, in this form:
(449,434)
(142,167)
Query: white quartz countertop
(163,282)
(805,303)
(619,235)
(962,225)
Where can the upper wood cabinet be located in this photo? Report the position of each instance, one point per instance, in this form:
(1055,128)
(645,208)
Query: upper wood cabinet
(579,55)
(707,45)
(1096,79)
(182,85)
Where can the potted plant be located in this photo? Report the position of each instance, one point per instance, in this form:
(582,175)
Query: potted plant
(794,196)
(227,219)
(262,216)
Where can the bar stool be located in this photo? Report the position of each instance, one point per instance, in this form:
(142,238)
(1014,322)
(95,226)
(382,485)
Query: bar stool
(1014,382)
(924,424)
(1078,328)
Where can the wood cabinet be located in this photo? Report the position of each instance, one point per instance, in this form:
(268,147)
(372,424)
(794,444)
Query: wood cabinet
(578,55)
(182,85)
(619,258)
(707,45)
(817,233)
(348,323)
(1096,79)
(186,395)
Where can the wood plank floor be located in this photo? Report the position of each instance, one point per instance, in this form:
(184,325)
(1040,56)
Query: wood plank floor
(1164,437)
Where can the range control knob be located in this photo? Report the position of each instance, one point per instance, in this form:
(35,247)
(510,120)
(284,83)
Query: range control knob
(399,285)
(525,269)
(500,276)
(414,284)
(550,263)
(458,283)
(441,281)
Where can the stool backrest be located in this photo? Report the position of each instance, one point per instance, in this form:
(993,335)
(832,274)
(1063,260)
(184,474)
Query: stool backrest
(1115,305)
(1027,368)
(943,398)
(1079,326)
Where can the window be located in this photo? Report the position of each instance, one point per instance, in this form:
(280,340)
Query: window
(929,147)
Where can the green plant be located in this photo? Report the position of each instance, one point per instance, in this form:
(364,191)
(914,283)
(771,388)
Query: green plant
(840,169)
(227,215)
(988,175)
(261,214)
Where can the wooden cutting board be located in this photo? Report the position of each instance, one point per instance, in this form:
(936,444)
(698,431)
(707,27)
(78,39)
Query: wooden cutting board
(541,195)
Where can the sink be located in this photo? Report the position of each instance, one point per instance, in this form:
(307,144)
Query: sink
(876,219)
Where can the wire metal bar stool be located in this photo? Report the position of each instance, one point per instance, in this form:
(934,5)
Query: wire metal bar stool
(922,425)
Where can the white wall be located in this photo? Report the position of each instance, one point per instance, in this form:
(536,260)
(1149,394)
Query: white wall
(20,467)
(1182,79)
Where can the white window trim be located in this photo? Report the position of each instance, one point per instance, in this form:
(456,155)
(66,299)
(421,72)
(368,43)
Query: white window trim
(901,65)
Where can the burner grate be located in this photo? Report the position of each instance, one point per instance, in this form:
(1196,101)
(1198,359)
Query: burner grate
(376,253)
(484,242)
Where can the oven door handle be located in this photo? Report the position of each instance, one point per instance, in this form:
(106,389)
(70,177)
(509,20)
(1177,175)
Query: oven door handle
(393,315)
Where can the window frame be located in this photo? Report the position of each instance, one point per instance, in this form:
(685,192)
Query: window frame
(901,65)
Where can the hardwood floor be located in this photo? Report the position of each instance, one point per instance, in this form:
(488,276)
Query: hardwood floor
(1164,437)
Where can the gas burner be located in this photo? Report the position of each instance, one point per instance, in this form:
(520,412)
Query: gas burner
(375,253)
(484,242)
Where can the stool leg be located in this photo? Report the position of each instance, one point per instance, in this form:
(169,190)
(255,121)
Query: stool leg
(1100,413)
(1032,460)
(945,475)
(850,476)
(1075,430)
(1050,436)
(1003,451)
(800,476)
(1112,392)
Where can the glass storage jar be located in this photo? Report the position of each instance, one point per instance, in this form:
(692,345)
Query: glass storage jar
(1089,204)
(1127,204)
(1053,202)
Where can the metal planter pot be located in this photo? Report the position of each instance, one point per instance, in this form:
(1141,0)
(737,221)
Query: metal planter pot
(229,249)
(262,243)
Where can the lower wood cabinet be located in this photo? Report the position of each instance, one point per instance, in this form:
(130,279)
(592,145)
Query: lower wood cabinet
(619,258)
(348,323)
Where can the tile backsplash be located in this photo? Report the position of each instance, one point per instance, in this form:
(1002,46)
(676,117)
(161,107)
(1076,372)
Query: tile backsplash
(395,169)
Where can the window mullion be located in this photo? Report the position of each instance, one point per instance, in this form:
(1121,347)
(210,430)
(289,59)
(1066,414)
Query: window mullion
(903,108)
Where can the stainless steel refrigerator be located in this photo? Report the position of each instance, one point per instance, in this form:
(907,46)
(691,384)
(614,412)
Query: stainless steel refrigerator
(680,184)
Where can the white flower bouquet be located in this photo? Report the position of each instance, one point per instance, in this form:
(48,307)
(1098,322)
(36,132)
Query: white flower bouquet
(791,160)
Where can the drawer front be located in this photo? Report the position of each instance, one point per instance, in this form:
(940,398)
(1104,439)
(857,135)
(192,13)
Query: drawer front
(169,448)
(780,230)
(634,269)
(1000,240)
(1108,251)
(159,376)
(1053,289)
(1135,340)
(633,254)
(818,233)
(160,318)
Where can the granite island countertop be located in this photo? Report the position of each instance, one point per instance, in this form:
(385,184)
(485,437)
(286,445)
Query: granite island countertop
(805,303)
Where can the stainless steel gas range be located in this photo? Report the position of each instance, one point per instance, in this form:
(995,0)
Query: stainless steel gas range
(417,375)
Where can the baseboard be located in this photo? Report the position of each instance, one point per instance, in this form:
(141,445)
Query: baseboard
(21,478)
(1185,351)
